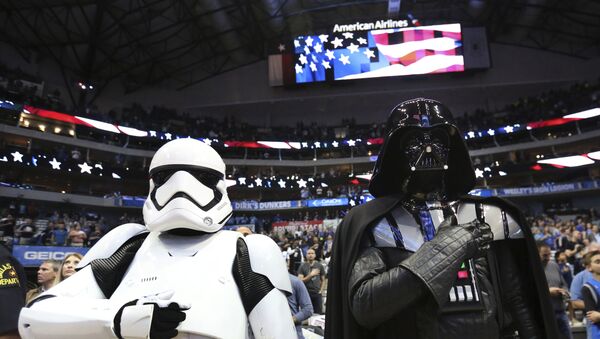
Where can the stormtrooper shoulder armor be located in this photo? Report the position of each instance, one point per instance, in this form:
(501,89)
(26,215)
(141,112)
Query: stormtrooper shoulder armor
(266,259)
(111,242)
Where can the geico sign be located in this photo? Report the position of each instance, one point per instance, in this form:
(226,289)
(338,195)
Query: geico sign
(45,255)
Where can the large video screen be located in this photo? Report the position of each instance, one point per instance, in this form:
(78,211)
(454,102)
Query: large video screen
(376,53)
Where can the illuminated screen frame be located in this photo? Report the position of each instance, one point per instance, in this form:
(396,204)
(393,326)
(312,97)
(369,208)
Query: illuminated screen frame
(377,53)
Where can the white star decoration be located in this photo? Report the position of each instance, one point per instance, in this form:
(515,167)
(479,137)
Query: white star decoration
(478,173)
(299,69)
(344,59)
(369,53)
(323,37)
(491,131)
(318,48)
(281,183)
(351,142)
(281,47)
(302,59)
(309,41)
(55,164)
(337,42)
(325,64)
(301,183)
(362,41)
(152,133)
(317,144)
(17,156)
(258,182)
(296,43)
(85,168)
(353,48)
(334,143)
(330,55)
(242,180)
(168,136)
(313,67)
(348,35)
(508,129)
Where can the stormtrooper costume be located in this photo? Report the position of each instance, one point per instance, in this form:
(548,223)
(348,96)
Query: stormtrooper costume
(177,276)
(423,260)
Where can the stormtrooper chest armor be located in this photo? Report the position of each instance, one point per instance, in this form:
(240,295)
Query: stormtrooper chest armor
(199,271)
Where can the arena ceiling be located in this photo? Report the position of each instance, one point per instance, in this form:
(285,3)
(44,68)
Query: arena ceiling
(178,43)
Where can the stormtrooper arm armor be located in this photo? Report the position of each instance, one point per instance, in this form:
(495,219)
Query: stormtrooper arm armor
(75,308)
(262,278)
(78,306)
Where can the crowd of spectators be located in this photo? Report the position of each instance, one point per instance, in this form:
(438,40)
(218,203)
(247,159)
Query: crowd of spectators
(547,105)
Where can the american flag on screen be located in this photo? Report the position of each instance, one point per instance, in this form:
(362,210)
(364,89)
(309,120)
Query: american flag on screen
(378,53)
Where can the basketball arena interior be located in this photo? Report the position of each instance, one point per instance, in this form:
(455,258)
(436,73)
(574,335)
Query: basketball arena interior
(294,96)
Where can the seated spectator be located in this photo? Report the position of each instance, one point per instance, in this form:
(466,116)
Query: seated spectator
(590,293)
(95,235)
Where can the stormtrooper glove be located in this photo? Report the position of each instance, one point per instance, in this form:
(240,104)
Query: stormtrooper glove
(437,262)
(154,317)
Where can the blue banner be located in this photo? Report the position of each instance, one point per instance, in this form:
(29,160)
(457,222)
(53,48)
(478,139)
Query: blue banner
(251,205)
(326,202)
(7,104)
(131,201)
(35,255)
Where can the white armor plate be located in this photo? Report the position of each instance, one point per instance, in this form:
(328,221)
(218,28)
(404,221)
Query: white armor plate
(199,270)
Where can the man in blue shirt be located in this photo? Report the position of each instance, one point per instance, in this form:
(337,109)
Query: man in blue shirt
(577,284)
(300,304)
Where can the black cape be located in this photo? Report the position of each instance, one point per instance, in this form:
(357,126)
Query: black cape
(339,321)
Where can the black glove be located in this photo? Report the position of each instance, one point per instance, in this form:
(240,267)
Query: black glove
(437,261)
(164,320)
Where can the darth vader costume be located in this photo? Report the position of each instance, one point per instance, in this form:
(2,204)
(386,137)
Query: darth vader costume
(423,259)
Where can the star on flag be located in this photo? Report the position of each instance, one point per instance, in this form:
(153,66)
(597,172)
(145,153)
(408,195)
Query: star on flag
(344,59)
(318,48)
(309,41)
(369,53)
(302,59)
(324,37)
(299,69)
(330,54)
(348,35)
(362,41)
(326,64)
(281,47)
(353,48)
(337,42)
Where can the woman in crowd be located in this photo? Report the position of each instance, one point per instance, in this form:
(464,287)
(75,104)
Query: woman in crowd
(67,268)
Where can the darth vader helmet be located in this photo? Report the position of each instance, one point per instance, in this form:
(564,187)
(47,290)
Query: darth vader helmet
(187,188)
(423,153)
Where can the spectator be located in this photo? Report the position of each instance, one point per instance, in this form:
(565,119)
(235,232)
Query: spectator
(295,257)
(577,284)
(590,293)
(565,268)
(46,278)
(12,293)
(312,274)
(77,237)
(558,290)
(59,235)
(95,235)
(67,268)
(300,304)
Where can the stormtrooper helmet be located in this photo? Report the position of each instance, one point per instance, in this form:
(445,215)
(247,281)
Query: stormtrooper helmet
(187,188)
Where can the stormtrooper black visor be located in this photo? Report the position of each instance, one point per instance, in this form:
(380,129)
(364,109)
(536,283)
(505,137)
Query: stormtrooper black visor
(206,176)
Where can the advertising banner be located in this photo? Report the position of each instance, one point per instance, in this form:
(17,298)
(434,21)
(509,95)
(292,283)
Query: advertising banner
(293,226)
(30,256)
